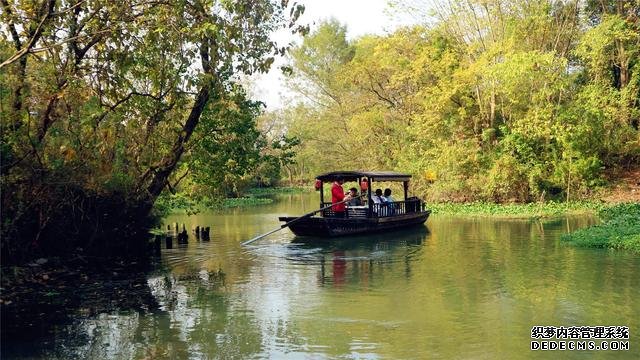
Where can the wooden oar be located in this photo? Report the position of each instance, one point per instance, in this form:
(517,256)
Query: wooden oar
(294,220)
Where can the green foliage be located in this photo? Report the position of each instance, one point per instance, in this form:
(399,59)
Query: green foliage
(228,146)
(191,204)
(620,229)
(507,181)
(105,100)
(262,192)
(524,211)
(245,201)
(506,102)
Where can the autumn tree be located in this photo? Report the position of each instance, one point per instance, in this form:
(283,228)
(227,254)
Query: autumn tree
(101,100)
(486,100)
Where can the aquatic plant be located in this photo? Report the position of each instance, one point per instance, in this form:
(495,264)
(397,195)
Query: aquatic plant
(245,201)
(620,229)
(529,210)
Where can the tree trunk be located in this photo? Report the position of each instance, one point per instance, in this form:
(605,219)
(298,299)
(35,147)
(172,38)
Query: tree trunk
(169,162)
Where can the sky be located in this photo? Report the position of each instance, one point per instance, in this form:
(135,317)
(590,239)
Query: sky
(361,17)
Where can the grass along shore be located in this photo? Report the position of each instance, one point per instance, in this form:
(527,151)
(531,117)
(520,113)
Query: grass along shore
(177,203)
(517,211)
(261,196)
(620,229)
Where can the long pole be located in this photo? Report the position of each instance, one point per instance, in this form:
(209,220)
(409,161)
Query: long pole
(294,220)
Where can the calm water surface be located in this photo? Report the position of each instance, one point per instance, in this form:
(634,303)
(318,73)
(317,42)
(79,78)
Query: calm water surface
(464,288)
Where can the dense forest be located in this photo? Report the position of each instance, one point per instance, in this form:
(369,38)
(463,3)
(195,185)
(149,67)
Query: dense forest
(522,100)
(106,106)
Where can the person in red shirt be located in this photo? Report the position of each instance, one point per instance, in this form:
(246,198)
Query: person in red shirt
(337,195)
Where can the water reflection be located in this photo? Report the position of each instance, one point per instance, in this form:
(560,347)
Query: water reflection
(293,278)
(461,288)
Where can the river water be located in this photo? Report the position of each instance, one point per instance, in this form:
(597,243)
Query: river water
(457,288)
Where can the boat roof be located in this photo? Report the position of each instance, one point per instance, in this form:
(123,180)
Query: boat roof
(373,175)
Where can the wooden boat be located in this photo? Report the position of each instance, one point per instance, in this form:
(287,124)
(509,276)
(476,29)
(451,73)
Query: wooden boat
(361,219)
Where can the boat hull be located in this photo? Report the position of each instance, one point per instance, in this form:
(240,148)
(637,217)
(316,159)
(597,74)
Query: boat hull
(333,227)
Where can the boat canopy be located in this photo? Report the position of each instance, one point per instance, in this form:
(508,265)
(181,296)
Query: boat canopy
(371,175)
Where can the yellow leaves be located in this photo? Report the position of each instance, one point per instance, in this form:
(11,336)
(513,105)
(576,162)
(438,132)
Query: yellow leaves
(67,153)
(231,164)
(430,175)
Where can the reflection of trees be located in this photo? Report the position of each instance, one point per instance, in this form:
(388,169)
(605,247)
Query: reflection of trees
(475,288)
(471,288)
(200,316)
(67,316)
(195,317)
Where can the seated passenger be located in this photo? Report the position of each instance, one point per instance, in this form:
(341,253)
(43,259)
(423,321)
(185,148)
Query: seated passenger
(377,197)
(387,195)
(389,200)
(355,199)
(381,203)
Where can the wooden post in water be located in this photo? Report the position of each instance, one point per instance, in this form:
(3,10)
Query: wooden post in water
(183,237)
(169,242)
(156,244)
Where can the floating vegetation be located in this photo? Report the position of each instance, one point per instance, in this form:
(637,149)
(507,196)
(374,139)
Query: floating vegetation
(530,210)
(193,204)
(245,201)
(620,229)
(258,192)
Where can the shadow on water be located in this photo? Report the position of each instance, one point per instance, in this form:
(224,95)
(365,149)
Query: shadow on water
(469,287)
(108,315)
(415,235)
(388,247)
(354,259)
(52,297)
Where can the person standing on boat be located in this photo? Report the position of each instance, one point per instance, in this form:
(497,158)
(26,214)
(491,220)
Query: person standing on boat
(337,195)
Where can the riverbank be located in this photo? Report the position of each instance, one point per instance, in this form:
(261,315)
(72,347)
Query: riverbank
(183,203)
(620,229)
(517,211)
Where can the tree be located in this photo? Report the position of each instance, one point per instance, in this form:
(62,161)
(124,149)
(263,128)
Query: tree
(487,100)
(103,99)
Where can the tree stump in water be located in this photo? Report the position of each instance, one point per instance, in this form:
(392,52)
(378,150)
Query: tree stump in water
(156,244)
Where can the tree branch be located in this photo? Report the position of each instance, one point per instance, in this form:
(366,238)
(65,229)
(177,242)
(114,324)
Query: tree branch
(34,37)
